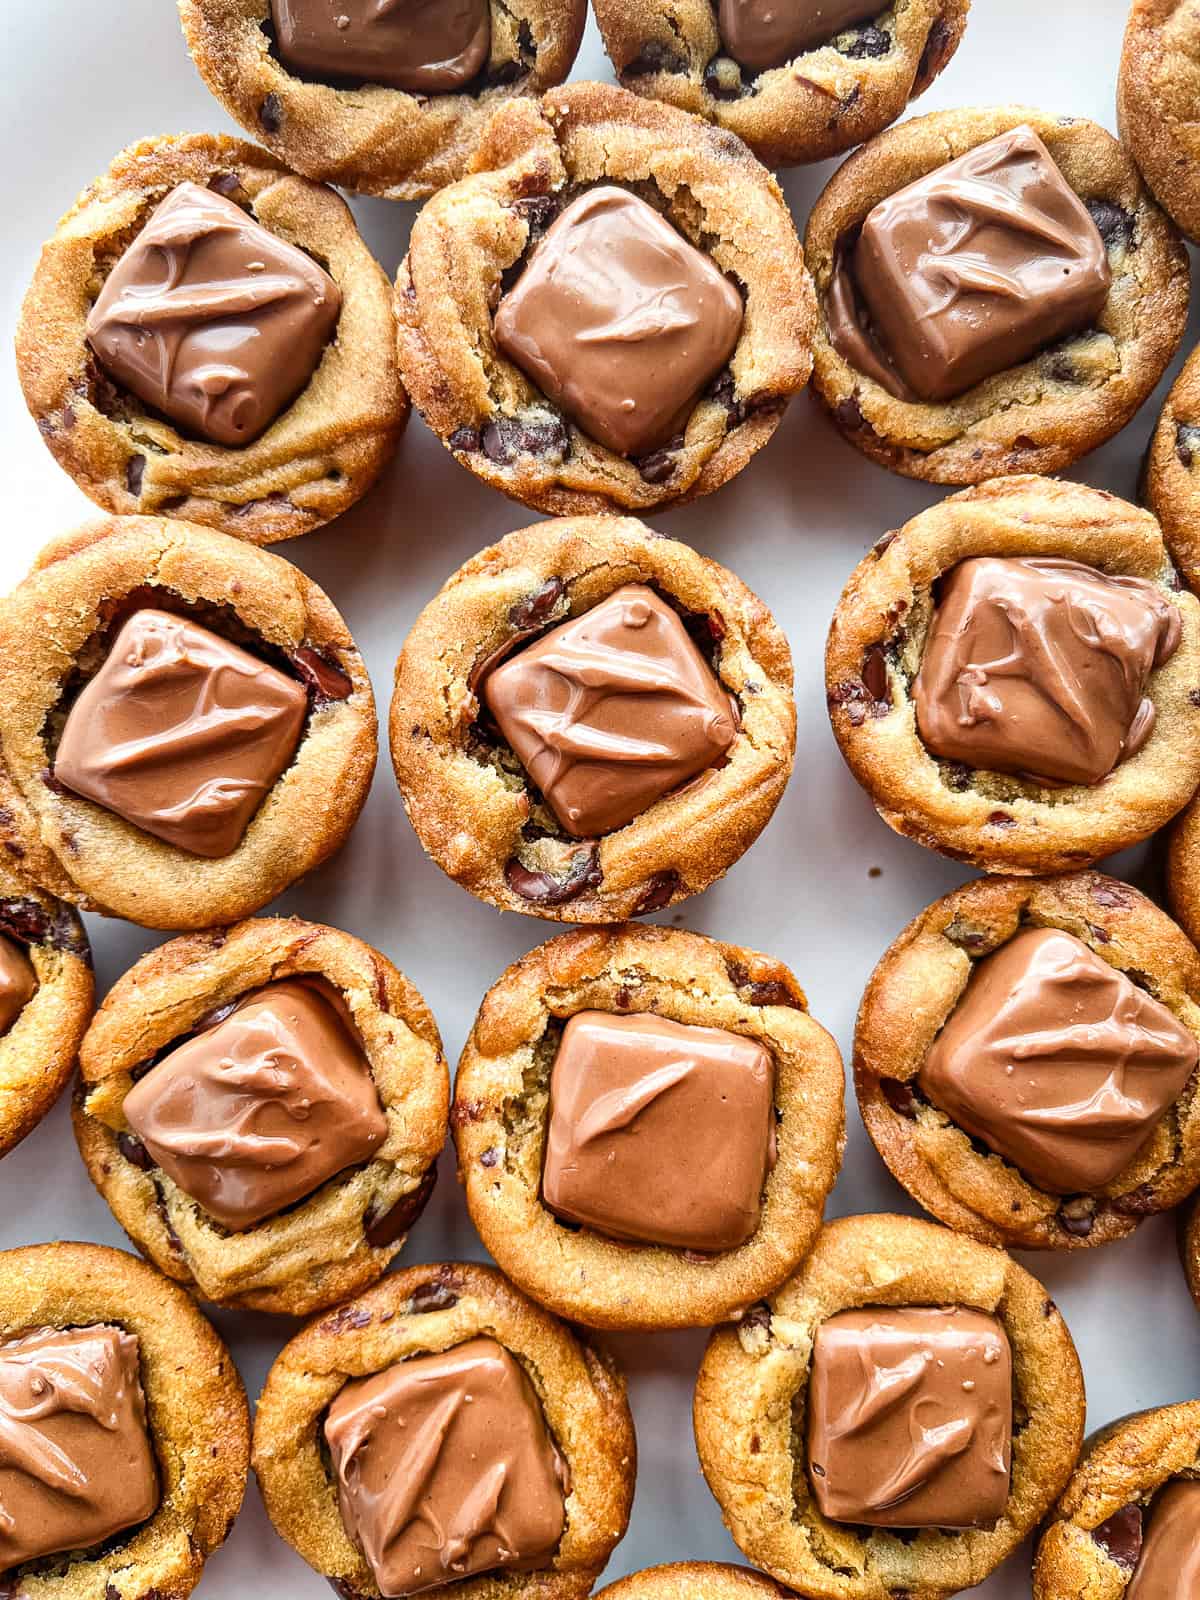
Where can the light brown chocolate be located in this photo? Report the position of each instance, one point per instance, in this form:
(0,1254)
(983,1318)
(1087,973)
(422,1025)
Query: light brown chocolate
(263,1107)
(910,1417)
(76,1463)
(18,982)
(968,271)
(1039,666)
(1169,1565)
(423,46)
(445,1468)
(1057,1061)
(211,319)
(659,1131)
(767,33)
(620,320)
(611,710)
(181,733)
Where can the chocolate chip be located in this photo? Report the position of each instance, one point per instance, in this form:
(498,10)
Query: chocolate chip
(135,471)
(724,79)
(1113,223)
(463,1112)
(270,114)
(505,438)
(933,56)
(1001,819)
(1107,892)
(490,1157)
(1049,1309)
(1120,1536)
(1187,442)
(900,1097)
(322,676)
(870,41)
(883,544)
(540,888)
(1139,1202)
(534,610)
(656,467)
(538,210)
(110,1592)
(345,1318)
(660,891)
(1077,1216)
(464,439)
(394,1224)
(874,673)
(30,923)
(436,1295)
(135,1151)
(653,57)
(507,72)
(763,991)
(346,1590)
(1100,935)
(755,1444)
(226,183)
(1194,696)
(848,414)
(1059,367)
(724,391)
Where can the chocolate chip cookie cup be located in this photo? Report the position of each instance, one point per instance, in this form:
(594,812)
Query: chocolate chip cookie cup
(995,1019)
(207,337)
(693,1580)
(386,104)
(111,1380)
(1020,353)
(610,315)
(924,1495)
(187,726)
(1126,1523)
(642,784)
(262,1108)
(1172,474)
(1158,90)
(801,83)
(1012,677)
(648,1124)
(524,1491)
(46,993)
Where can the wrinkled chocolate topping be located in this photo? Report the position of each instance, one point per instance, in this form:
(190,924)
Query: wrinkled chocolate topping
(424,46)
(1169,1565)
(18,982)
(767,33)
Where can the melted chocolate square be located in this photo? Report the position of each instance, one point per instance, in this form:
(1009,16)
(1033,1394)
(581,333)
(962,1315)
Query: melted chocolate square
(423,46)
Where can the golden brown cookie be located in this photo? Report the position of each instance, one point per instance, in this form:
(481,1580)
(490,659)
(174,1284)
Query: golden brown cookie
(369,137)
(342,1236)
(502,1106)
(915,989)
(472,802)
(753,1392)
(829,98)
(692,1580)
(471,241)
(1172,477)
(1158,100)
(196,1415)
(319,456)
(411,1314)
(999,821)
(1094,1536)
(56,630)
(1045,413)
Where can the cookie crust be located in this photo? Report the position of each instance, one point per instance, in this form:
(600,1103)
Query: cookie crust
(824,102)
(50,628)
(465,241)
(1172,479)
(752,1390)
(693,1580)
(1122,1467)
(911,994)
(1158,90)
(500,1113)
(195,1407)
(415,1312)
(1045,413)
(996,821)
(340,1239)
(316,459)
(368,137)
(469,798)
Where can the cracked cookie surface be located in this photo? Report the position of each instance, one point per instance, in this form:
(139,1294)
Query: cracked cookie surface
(1158,104)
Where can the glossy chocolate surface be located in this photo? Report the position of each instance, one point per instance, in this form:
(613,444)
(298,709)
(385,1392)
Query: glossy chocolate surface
(423,46)
(1169,1565)
(18,982)
(767,33)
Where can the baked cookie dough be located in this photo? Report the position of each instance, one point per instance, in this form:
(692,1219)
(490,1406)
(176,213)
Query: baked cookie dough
(573,823)
(265,422)
(693,1580)
(878,1297)
(1036,747)
(1172,473)
(542,1399)
(961,386)
(187,726)
(259,1194)
(158,1451)
(1109,988)
(612,312)
(1127,1520)
(380,126)
(798,83)
(708,1053)
(1158,97)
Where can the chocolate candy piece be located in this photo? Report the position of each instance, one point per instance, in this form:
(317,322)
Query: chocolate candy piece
(611,710)
(76,1465)
(768,33)
(619,320)
(1057,1061)
(968,271)
(18,982)
(211,319)
(424,46)
(910,1417)
(445,1468)
(262,1108)
(1040,667)
(659,1132)
(1169,1567)
(181,733)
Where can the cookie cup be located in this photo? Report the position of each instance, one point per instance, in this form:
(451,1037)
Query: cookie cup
(315,460)
(693,1580)
(1158,89)
(1172,472)
(997,821)
(417,1312)
(751,1397)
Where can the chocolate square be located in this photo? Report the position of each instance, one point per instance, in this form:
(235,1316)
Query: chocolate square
(181,733)
(760,34)
(611,710)
(910,1417)
(211,319)
(1169,1564)
(619,320)
(659,1131)
(423,46)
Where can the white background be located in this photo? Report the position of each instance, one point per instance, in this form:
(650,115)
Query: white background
(82,78)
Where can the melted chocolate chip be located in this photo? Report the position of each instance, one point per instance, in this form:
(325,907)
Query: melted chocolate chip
(1139,1202)
(540,888)
(436,1295)
(1113,223)
(135,471)
(724,79)
(762,991)
(1106,892)
(226,183)
(270,114)
(1187,442)
(29,923)
(346,1318)
(659,892)
(345,1590)
(848,414)
(465,439)
(900,1097)
(1120,1536)
(653,57)
(870,41)
(505,438)
(874,674)
(380,1231)
(324,679)
(656,467)
(933,56)
(135,1151)
(1078,1216)
(490,1157)
(535,609)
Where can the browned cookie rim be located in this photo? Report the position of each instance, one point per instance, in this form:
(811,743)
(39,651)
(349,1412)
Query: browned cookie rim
(1173,469)
(1152,118)
(693,1580)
